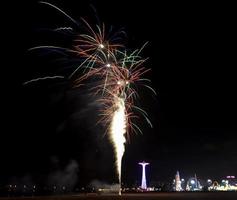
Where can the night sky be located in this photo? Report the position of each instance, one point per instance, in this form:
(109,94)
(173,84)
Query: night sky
(48,129)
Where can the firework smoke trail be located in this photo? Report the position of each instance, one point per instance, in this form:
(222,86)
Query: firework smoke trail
(119,72)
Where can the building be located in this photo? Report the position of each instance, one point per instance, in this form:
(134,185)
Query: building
(143,182)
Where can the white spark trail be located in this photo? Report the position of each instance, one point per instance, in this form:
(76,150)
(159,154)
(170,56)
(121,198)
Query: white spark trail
(43,78)
(117,133)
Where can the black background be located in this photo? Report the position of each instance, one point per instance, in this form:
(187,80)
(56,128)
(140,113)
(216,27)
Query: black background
(192,54)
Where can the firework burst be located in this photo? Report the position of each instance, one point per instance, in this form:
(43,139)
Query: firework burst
(118,70)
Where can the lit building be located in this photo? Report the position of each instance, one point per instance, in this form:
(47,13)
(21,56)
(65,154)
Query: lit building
(193,184)
(228,184)
(143,183)
(177,182)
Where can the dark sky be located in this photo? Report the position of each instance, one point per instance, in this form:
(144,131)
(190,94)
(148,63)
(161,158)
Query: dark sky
(48,125)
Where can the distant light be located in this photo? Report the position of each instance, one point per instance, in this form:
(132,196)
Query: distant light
(209,180)
(192,182)
(230,177)
(108,65)
(182,180)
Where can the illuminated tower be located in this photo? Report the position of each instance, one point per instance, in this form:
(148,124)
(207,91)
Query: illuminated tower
(177,182)
(143,185)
